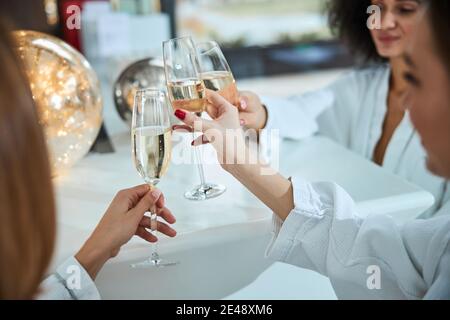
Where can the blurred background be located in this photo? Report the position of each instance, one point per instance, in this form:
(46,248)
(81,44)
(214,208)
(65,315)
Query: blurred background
(258,37)
(274,47)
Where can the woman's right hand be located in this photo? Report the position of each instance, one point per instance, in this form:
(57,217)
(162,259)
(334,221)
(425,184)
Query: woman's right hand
(227,137)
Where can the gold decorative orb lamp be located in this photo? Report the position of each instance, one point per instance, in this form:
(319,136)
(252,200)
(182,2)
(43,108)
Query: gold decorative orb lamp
(67,94)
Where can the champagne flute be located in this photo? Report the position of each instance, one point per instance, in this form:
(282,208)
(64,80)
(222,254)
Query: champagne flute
(215,71)
(151,150)
(187,91)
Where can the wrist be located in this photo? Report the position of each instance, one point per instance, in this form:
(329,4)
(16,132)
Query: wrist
(234,169)
(92,257)
(244,158)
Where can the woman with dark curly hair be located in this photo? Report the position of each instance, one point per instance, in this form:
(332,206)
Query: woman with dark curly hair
(362,110)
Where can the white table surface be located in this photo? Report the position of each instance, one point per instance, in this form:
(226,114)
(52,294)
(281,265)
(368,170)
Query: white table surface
(286,282)
(85,191)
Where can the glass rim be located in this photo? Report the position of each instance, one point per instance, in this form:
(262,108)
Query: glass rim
(211,42)
(213,46)
(160,91)
(179,38)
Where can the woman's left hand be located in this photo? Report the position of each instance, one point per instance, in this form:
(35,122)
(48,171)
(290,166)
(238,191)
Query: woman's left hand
(124,218)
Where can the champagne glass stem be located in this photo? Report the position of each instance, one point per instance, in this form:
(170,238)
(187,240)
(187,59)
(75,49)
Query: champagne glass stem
(201,170)
(198,159)
(154,228)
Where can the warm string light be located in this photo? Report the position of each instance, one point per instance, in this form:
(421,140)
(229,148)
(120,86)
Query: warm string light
(67,96)
(51,11)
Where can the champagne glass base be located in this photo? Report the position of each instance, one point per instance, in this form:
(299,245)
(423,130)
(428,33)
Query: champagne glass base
(149,263)
(205,191)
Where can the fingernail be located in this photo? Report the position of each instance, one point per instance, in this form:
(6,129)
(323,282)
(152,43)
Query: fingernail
(180,114)
(243,104)
(242,122)
(156,194)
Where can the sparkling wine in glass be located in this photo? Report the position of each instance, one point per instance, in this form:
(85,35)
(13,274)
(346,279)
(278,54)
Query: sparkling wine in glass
(187,91)
(151,141)
(215,71)
(188,94)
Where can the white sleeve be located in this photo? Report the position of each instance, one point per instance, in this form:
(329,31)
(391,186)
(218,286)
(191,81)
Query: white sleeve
(327,111)
(69,282)
(295,117)
(325,234)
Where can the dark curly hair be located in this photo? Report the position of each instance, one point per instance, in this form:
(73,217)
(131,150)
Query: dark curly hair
(348,21)
(439,17)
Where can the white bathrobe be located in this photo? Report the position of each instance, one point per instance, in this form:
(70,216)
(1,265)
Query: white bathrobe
(372,258)
(351,111)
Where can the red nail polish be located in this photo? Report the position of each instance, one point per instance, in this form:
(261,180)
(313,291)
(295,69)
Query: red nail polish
(180,114)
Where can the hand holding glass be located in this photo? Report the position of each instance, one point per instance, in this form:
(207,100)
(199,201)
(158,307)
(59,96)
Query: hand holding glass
(187,91)
(151,149)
